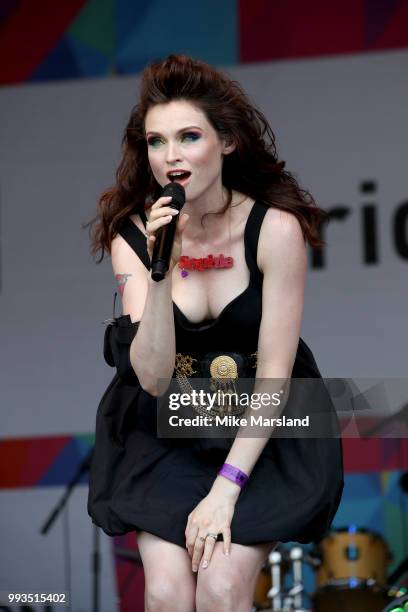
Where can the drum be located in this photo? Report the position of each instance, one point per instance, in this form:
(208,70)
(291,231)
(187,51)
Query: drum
(353,572)
(400,604)
(350,599)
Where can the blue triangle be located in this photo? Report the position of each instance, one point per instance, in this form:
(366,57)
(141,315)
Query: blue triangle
(363,485)
(356,512)
(84,442)
(64,467)
(60,63)
(128,15)
(90,61)
(83,447)
(131,65)
(376,521)
(164,30)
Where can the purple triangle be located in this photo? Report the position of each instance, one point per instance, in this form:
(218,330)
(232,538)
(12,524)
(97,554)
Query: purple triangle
(378,13)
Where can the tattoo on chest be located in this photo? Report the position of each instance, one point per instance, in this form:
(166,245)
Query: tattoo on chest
(122,279)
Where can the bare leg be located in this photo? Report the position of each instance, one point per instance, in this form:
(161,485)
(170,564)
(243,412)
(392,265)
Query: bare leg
(228,583)
(170,583)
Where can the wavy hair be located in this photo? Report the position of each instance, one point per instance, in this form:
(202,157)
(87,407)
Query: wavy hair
(252,168)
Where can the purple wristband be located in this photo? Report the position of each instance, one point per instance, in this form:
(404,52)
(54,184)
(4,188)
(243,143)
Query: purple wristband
(234,474)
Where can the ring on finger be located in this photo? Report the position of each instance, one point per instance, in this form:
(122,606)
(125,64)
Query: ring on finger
(208,549)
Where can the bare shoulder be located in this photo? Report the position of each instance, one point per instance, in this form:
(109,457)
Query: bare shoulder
(122,252)
(281,237)
(130,273)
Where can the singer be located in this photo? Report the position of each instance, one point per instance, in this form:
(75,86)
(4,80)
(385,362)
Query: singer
(200,158)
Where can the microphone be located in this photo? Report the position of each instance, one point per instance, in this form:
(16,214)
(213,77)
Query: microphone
(163,245)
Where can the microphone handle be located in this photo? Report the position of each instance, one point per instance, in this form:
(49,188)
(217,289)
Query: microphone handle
(162,249)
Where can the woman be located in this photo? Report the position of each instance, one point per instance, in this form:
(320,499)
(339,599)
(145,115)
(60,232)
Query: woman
(204,535)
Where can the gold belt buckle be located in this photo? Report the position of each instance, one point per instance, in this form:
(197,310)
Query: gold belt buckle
(223,371)
(223,366)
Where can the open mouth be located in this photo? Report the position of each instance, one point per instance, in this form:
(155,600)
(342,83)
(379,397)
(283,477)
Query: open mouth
(179,177)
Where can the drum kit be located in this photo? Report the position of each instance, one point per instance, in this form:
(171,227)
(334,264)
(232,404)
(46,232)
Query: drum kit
(350,570)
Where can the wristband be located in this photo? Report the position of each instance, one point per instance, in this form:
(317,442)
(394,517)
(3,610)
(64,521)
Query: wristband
(234,474)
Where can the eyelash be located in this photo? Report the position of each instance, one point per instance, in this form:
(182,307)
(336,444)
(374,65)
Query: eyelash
(152,140)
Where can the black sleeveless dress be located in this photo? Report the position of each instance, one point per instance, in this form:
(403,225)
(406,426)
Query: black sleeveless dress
(139,481)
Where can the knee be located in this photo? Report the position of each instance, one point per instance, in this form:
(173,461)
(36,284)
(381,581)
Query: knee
(219,591)
(163,592)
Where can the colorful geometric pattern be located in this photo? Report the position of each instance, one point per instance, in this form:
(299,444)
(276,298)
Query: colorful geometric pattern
(50,40)
(91,38)
(372,496)
(42,461)
(293,29)
(53,460)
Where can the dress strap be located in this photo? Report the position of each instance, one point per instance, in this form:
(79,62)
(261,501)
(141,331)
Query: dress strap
(136,239)
(253,228)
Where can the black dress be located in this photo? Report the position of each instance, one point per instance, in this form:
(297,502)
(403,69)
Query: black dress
(139,481)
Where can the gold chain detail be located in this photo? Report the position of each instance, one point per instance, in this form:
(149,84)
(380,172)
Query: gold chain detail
(184,364)
(223,371)
(216,409)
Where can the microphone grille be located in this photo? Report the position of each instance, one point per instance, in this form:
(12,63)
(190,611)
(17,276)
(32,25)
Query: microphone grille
(177,192)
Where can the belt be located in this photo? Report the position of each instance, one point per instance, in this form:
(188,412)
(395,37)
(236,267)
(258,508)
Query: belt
(222,369)
(217,365)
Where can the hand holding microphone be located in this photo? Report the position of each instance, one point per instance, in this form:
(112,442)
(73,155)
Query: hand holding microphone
(164,230)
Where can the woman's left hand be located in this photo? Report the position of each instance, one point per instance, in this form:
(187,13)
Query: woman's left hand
(212,515)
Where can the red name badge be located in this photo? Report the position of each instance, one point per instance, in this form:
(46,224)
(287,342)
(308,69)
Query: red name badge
(204,263)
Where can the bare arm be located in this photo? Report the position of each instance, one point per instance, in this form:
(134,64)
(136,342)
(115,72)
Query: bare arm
(283,262)
(152,351)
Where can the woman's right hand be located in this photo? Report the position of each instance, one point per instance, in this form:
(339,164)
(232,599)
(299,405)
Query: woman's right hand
(161,214)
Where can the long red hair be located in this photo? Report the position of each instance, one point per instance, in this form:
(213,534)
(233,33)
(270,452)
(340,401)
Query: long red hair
(252,168)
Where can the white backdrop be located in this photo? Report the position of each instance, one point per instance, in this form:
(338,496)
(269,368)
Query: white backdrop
(338,122)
